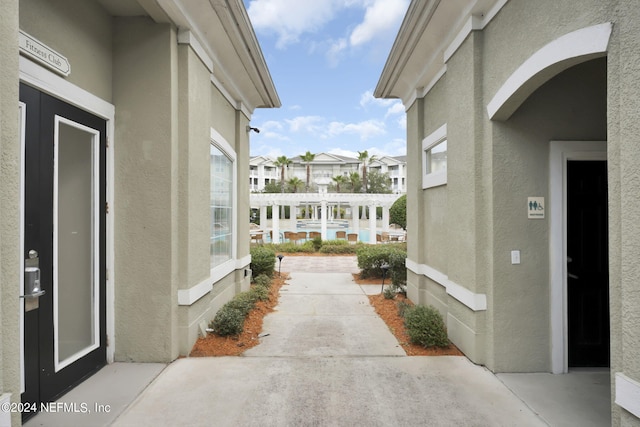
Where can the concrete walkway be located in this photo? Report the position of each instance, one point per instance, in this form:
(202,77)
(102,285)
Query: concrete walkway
(328,360)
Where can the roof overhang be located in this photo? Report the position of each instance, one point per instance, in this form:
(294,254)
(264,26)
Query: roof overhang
(221,33)
(430,34)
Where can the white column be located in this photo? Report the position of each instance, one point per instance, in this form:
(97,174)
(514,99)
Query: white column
(372,224)
(263,217)
(355,221)
(275,222)
(323,220)
(355,217)
(385,218)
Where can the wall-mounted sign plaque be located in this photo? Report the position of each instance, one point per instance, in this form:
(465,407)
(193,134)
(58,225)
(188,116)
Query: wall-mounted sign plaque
(43,54)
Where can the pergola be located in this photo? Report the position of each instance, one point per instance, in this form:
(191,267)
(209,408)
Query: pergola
(325,202)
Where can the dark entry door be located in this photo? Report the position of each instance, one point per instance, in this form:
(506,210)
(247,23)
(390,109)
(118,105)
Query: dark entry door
(588,263)
(64,236)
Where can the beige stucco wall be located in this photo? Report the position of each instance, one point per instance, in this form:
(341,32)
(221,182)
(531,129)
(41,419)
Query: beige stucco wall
(194,167)
(146,182)
(9,206)
(624,211)
(78,30)
(597,100)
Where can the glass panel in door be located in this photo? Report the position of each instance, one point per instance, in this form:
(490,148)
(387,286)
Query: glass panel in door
(76,280)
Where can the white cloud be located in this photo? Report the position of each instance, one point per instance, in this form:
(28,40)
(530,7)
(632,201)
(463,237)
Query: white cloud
(291,18)
(312,124)
(365,130)
(367,99)
(335,51)
(381,17)
(396,108)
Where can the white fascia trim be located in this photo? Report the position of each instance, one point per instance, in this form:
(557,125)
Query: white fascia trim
(425,90)
(586,41)
(239,105)
(187,37)
(476,302)
(628,394)
(473,23)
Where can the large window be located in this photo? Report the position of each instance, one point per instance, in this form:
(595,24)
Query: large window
(221,207)
(434,158)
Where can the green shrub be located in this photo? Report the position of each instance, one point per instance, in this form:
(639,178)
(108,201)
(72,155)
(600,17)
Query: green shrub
(263,280)
(402,307)
(263,261)
(259,293)
(317,243)
(425,326)
(389,292)
(398,212)
(338,249)
(228,321)
(371,257)
(398,269)
(243,302)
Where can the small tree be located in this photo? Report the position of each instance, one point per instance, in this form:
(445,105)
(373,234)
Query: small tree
(398,212)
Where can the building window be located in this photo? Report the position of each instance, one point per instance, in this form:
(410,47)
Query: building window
(222,204)
(434,158)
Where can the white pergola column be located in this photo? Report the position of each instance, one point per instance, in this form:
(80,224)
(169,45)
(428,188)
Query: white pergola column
(385,218)
(263,217)
(275,222)
(323,220)
(355,220)
(372,224)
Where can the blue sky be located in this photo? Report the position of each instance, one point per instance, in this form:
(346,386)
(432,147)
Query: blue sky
(325,58)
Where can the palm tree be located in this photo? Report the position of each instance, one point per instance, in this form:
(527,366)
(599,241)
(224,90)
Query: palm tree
(307,158)
(354,179)
(339,180)
(282,162)
(364,158)
(294,183)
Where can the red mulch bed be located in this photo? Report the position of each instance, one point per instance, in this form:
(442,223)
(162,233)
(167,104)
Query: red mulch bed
(387,309)
(215,345)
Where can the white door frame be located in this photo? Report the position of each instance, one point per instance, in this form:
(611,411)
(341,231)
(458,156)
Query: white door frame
(560,152)
(48,82)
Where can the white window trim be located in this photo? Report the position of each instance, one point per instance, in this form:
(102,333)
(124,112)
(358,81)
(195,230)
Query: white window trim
(430,180)
(218,141)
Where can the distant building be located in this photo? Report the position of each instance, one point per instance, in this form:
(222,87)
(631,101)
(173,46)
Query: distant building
(326,166)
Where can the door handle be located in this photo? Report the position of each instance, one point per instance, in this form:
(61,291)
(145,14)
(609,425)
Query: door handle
(32,283)
(32,288)
(572,276)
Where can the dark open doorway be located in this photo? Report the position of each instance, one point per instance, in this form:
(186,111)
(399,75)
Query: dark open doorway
(588,264)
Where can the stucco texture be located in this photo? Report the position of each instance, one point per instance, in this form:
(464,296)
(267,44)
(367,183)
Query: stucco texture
(145,190)
(9,205)
(79,30)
